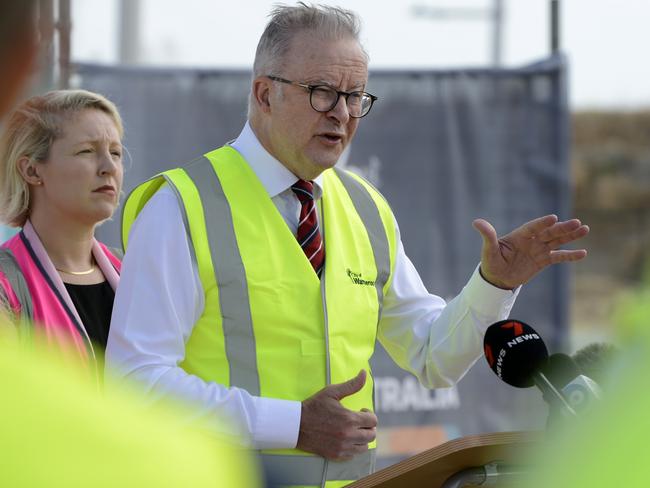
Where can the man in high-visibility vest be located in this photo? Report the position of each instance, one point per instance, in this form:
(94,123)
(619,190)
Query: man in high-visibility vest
(257,278)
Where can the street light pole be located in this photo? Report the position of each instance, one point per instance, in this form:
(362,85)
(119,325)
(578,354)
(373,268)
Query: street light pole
(129,32)
(64,26)
(497,33)
(46,30)
(555,26)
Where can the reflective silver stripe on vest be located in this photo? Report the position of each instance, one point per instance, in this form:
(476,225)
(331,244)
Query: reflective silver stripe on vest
(282,470)
(230,276)
(186,222)
(14,275)
(367,209)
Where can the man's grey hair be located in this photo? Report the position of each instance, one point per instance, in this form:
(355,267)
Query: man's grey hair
(324,22)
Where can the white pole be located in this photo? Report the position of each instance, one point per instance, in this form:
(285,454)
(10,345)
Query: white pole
(129,32)
(497,33)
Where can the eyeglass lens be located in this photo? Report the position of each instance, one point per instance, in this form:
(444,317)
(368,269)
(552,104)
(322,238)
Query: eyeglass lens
(324,98)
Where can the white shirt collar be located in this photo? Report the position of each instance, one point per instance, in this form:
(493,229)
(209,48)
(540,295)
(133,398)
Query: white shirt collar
(274,176)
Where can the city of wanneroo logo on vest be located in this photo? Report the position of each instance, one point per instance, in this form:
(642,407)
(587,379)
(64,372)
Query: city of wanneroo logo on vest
(357,279)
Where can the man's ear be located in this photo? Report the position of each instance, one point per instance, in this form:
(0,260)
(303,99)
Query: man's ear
(262,93)
(29,171)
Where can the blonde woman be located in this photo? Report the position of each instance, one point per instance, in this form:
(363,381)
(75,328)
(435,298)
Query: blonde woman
(61,175)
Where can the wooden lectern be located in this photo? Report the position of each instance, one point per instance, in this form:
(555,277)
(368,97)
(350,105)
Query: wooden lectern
(458,459)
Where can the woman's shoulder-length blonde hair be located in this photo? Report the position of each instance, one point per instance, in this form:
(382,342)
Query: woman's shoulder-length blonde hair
(29,132)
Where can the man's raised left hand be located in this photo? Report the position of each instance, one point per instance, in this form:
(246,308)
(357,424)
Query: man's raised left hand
(513,259)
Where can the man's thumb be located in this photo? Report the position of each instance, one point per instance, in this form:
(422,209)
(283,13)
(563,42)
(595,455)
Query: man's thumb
(488,234)
(347,388)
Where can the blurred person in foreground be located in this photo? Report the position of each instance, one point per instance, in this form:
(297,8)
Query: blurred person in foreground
(273,272)
(18,49)
(55,428)
(61,168)
(609,447)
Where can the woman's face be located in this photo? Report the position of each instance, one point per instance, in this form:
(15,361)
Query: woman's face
(82,176)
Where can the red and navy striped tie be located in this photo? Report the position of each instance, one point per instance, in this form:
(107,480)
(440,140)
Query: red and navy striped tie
(309,236)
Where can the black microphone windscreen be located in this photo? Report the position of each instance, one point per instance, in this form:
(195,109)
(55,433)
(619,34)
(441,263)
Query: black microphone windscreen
(560,370)
(514,351)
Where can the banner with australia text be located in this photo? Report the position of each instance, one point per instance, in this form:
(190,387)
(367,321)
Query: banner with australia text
(444,147)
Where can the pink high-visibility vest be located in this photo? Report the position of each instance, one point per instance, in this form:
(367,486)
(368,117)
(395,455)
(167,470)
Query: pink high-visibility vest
(52,310)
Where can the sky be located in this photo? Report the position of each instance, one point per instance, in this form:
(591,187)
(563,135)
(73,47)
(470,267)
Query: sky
(605,41)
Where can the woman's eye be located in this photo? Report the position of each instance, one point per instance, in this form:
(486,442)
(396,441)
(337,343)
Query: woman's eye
(85,151)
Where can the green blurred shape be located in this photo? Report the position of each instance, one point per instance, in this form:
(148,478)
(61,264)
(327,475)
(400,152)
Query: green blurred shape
(611,447)
(59,430)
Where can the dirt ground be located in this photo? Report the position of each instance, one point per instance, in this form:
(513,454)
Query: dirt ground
(611,176)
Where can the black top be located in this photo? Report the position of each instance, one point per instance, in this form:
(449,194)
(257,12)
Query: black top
(94,303)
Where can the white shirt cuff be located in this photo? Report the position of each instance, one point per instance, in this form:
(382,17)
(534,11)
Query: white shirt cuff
(278,423)
(488,299)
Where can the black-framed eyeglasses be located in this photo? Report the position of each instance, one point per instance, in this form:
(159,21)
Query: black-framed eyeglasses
(324,98)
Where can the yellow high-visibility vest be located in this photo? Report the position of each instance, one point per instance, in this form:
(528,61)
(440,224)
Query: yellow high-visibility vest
(59,430)
(270,325)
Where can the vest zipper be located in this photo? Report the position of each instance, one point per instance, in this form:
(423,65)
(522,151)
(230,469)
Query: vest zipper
(328,376)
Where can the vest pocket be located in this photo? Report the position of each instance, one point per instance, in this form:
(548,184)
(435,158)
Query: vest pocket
(313,373)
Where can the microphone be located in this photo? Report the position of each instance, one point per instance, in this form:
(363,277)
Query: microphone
(517,354)
(560,370)
(580,391)
(514,351)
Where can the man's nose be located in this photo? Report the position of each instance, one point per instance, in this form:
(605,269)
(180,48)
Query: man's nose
(340,111)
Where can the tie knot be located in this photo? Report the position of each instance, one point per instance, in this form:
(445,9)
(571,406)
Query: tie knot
(304,190)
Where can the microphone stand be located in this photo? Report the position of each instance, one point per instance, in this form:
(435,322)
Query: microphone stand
(545,385)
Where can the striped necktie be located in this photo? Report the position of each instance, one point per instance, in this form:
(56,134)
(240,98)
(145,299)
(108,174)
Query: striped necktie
(309,236)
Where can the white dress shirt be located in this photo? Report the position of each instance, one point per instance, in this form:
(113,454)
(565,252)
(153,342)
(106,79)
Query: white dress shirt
(160,298)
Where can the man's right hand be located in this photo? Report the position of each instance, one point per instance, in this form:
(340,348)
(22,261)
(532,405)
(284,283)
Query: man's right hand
(331,430)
